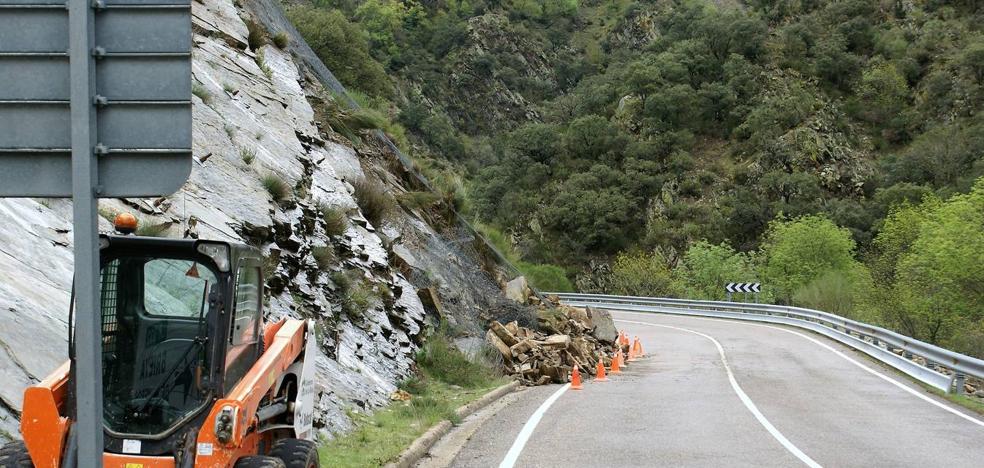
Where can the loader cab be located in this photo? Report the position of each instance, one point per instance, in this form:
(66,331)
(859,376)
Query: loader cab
(181,324)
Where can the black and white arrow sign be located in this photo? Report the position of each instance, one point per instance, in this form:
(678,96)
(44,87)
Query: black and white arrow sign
(743,287)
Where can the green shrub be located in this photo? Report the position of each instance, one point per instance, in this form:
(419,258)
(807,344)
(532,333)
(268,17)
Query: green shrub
(255,37)
(354,295)
(364,119)
(642,274)
(546,277)
(415,384)
(343,47)
(417,200)
(281,40)
(278,189)
(439,359)
(800,251)
(335,219)
(324,257)
(706,268)
(832,292)
(373,200)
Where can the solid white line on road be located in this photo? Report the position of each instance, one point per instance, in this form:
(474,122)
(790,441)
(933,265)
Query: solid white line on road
(846,357)
(527,431)
(743,396)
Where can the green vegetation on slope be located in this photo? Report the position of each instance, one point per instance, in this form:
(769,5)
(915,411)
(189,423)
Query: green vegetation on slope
(701,142)
(447,380)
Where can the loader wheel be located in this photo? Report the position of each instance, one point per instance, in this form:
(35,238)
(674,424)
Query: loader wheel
(296,453)
(14,455)
(259,461)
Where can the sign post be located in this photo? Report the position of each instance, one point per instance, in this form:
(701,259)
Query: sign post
(95,103)
(85,233)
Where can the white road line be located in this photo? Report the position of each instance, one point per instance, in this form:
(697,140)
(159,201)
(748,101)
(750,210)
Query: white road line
(742,396)
(527,431)
(846,357)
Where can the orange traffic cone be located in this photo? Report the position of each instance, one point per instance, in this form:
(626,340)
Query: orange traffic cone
(637,347)
(576,378)
(632,354)
(600,372)
(621,358)
(617,363)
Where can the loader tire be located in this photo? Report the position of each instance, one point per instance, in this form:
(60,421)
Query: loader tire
(259,461)
(14,455)
(296,453)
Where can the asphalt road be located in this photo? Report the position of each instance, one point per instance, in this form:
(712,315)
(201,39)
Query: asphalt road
(795,399)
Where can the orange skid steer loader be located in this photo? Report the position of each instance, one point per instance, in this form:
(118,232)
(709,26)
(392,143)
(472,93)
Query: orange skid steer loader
(191,375)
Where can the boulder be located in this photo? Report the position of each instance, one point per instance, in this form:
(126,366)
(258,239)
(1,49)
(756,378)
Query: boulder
(604,326)
(518,290)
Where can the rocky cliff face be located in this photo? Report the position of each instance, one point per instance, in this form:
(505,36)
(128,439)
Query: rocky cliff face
(253,121)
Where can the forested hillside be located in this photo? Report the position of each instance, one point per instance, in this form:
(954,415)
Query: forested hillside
(826,148)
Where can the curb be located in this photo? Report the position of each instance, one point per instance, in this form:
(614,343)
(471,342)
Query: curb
(423,444)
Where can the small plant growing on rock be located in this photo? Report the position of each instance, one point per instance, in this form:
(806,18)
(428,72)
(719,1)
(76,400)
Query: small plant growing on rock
(255,37)
(354,295)
(324,257)
(373,200)
(281,40)
(152,230)
(248,156)
(230,130)
(276,187)
(336,222)
(261,62)
(418,200)
(229,88)
(202,93)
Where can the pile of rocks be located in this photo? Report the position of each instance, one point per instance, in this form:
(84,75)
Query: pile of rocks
(567,337)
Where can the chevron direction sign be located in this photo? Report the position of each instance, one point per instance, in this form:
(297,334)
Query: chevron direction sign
(743,287)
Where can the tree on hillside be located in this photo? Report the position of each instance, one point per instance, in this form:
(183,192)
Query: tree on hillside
(706,268)
(799,251)
(939,276)
(343,46)
(642,274)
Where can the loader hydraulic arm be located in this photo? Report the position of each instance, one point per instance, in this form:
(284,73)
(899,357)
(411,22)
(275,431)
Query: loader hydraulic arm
(225,435)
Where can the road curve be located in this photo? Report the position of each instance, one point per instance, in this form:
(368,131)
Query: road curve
(805,403)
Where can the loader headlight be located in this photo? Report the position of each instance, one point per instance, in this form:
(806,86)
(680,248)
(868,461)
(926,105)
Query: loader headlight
(225,423)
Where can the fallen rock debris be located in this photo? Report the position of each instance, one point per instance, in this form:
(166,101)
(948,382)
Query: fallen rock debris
(567,337)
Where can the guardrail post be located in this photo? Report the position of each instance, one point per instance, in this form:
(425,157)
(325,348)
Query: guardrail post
(959,381)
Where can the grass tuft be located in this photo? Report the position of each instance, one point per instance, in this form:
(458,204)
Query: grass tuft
(373,200)
(248,156)
(324,257)
(355,296)
(152,230)
(202,93)
(261,62)
(336,222)
(418,200)
(281,40)
(276,187)
(447,380)
(256,37)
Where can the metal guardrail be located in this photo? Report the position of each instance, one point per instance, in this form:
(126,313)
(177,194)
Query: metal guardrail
(943,369)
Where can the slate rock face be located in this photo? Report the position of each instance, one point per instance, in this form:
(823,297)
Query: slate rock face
(252,120)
